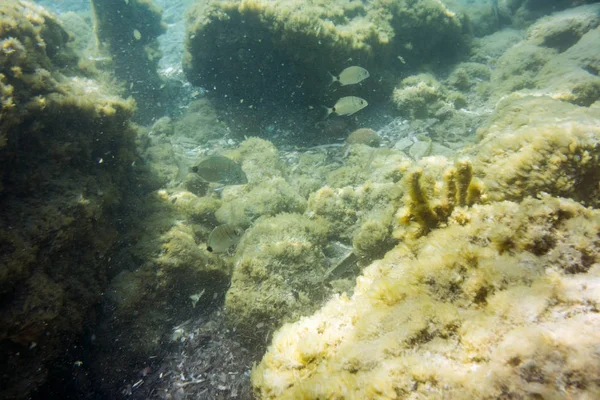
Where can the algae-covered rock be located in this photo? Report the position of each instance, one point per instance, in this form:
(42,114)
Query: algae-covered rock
(573,75)
(365,163)
(433,106)
(278,276)
(273,56)
(485,16)
(200,122)
(80,29)
(487,307)
(364,136)
(259,159)
(525,151)
(173,278)
(465,76)
(522,12)
(559,57)
(272,196)
(65,166)
(488,49)
(518,68)
(360,216)
(563,29)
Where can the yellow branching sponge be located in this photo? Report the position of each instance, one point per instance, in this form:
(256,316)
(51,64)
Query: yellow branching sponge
(500,306)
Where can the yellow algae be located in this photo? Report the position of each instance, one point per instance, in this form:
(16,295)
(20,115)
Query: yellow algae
(451,312)
(542,155)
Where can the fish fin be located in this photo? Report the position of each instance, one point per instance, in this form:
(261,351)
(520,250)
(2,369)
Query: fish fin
(332,78)
(328,112)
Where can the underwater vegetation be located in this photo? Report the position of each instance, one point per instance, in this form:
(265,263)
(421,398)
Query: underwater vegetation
(480,296)
(286,50)
(472,310)
(441,242)
(66,147)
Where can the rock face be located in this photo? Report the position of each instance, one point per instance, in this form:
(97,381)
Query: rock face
(275,55)
(491,293)
(462,312)
(128,31)
(66,149)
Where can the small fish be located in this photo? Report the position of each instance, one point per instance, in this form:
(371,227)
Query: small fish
(136,34)
(220,169)
(196,297)
(222,238)
(347,106)
(350,76)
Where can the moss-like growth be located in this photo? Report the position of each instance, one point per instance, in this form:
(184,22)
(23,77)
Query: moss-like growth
(343,209)
(558,57)
(466,76)
(455,314)
(373,238)
(364,136)
(170,263)
(200,122)
(278,276)
(259,159)
(522,12)
(365,163)
(242,206)
(417,94)
(573,75)
(361,216)
(80,29)
(65,166)
(525,151)
(238,49)
(562,30)
(267,192)
(423,99)
(518,68)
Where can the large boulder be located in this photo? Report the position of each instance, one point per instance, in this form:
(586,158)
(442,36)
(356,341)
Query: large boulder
(66,149)
(275,56)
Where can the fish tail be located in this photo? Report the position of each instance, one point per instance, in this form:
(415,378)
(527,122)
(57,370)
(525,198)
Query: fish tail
(332,78)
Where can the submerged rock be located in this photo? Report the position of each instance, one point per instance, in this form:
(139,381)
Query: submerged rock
(66,149)
(274,56)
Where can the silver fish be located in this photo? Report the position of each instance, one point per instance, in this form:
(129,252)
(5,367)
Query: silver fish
(220,169)
(347,106)
(350,76)
(222,238)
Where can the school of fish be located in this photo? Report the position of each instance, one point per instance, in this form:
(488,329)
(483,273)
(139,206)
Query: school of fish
(348,105)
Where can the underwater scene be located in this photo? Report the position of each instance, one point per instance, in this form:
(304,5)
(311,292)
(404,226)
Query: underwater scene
(299,199)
